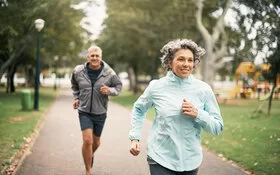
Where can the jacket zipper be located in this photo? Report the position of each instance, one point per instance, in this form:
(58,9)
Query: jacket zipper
(91,90)
(91,97)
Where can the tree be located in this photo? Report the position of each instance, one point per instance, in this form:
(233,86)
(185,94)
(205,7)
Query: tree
(215,41)
(274,72)
(135,31)
(18,33)
(264,18)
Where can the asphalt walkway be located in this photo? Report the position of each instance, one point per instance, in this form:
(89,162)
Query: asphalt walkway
(57,149)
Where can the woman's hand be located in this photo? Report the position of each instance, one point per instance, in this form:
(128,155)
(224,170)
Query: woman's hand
(189,109)
(135,147)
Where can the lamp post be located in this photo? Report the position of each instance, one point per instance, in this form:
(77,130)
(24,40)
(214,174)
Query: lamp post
(55,71)
(39,24)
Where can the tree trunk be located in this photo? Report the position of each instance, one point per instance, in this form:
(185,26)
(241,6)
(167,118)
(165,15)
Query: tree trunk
(271,97)
(12,82)
(215,43)
(13,57)
(208,65)
(8,80)
(29,76)
(132,78)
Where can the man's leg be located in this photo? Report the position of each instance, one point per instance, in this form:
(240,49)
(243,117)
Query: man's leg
(99,121)
(95,144)
(87,148)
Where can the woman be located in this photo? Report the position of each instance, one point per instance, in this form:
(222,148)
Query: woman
(184,105)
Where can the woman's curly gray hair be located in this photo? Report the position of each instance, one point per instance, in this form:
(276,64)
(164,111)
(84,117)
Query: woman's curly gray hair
(169,49)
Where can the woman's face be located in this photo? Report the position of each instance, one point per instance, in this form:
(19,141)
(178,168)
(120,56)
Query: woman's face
(182,63)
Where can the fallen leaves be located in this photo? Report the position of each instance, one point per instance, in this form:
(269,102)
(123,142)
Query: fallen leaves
(17,158)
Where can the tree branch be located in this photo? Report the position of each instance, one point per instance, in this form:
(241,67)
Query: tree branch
(15,55)
(220,24)
(223,49)
(199,24)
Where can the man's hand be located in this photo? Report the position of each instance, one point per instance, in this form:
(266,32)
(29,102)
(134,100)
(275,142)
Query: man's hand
(104,90)
(76,104)
(189,109)
(135,147)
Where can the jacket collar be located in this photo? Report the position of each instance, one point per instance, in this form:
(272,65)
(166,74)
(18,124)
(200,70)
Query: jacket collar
(179,80)
(105,71)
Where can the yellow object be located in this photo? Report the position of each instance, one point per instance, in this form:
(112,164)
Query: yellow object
(250,80)
(235,92)
(244,68)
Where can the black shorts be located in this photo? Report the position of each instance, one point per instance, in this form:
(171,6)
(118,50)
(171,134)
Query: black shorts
(93,121)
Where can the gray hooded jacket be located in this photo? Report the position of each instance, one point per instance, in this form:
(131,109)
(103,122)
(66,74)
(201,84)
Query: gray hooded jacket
(90,98)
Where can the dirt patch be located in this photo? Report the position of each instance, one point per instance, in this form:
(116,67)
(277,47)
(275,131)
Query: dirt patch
(18,119)
(230,102)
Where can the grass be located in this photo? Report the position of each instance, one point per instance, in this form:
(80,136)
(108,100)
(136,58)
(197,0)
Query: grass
(250,139)
(17,125)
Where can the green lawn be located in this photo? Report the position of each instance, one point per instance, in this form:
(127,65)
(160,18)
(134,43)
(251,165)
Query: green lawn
(15,124)
(252,141)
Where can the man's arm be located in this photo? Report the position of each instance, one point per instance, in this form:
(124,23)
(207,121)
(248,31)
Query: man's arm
(116,86)
(75,89)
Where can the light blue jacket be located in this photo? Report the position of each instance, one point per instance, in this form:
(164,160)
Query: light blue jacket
(174,140)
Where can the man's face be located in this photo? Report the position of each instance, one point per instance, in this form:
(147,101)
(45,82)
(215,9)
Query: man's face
(182,63)
(94,59)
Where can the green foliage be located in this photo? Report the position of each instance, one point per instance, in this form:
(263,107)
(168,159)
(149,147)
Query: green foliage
(274,61)
(17,125)
(135,31)
(250,140)
(264,17)
(61,35)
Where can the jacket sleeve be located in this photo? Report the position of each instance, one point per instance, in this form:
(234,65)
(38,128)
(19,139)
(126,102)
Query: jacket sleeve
(139,111)
(75,85)
(210,117)
(116,85)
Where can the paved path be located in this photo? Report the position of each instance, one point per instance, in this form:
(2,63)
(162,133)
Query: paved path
(57,150)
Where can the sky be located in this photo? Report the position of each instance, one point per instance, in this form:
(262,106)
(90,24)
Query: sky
(95,11)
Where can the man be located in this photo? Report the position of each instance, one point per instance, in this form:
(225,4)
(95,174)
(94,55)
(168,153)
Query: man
(92,83)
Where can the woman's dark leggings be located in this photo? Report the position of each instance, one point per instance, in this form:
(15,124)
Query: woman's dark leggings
(157,169)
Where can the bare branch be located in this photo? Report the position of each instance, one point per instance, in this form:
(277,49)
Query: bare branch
(205,34)
(220,25)
(222,51)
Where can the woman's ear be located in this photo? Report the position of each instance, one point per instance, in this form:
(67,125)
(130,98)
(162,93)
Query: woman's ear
(170,64)
(196,62)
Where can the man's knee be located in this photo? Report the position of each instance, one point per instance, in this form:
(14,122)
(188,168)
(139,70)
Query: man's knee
(87,137)
(87,141)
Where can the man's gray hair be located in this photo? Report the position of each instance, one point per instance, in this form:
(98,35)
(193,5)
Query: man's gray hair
(95,48)
(169,49)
